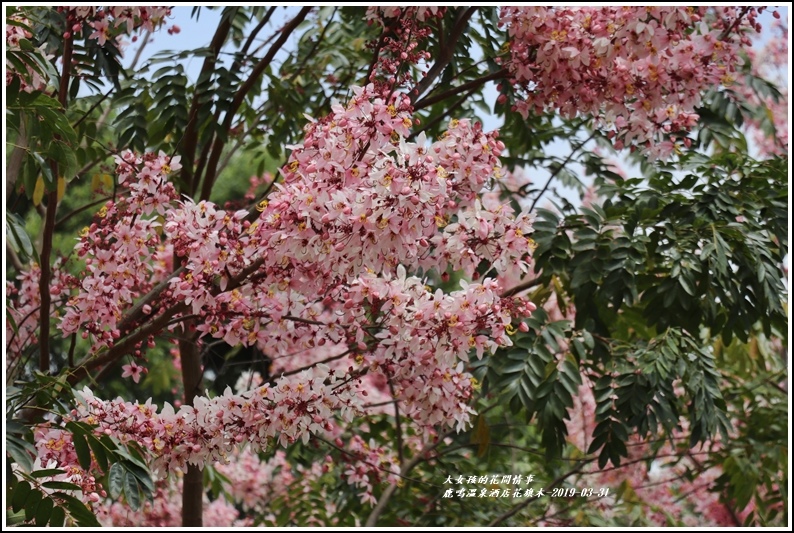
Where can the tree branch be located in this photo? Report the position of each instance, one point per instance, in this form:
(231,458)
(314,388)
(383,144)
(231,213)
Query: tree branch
(443,115)
(49,227)
(520,288)
(476,83)
(193,487)
(126,345)
(190,140)
(558,170)
(136,313)
(446,52)
(217,148)
(255,32)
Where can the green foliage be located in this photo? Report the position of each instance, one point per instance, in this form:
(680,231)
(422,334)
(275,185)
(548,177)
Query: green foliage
(755,464)
(531,379)
(53,137)
(18,237)
(32,496)
(647,271)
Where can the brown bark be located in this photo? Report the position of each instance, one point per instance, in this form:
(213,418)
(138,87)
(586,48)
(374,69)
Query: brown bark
(193,487)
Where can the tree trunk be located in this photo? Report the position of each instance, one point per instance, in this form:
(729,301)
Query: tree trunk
(192,497)
(193,487)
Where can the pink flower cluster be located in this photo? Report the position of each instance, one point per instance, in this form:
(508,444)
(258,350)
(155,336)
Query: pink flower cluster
(370,465)
(356,186)
(104,19)
(358,199)
(15,33)
(287,411)
(405,29)
(254,483)
(56,450)
(322,268)
(639,71)
(122,250)
(24,302)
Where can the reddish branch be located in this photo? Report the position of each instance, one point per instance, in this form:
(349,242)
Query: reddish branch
(447,51)
(49,229)
(190,140)
(430,100)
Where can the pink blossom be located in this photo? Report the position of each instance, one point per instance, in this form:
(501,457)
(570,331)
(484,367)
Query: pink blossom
(132,370)
(635,69)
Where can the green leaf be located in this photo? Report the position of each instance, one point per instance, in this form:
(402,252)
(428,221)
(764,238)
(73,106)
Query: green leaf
(115,480)
(143,477)
(32,504)
(58,517)
(60,485)
(66,159)
(481,436)
(47,472)
(20,239)
(132,491)
(78,510)
(686,285)
(21,452)
(45,170)
(82,450)
(44,511)
(19,496)
(99,451)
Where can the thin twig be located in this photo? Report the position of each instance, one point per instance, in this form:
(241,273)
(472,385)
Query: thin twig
(72,344)
(307,367)
(15,261)
(733,26)
(430,100)
(81,209)
(90,109)
(372,519)
(520,288)
(518,507)
(558,170)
